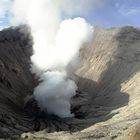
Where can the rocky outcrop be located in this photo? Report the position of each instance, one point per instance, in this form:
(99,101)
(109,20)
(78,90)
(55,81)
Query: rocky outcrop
(106,106)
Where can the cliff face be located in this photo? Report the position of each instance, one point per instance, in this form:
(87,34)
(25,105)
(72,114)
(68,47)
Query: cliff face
(111,75)
(107,102)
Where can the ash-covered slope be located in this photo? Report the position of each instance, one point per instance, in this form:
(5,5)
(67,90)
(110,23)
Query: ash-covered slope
(15,76)
(16,80)
(107,104)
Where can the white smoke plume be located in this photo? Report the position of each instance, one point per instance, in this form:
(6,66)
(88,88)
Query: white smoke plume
(56,48)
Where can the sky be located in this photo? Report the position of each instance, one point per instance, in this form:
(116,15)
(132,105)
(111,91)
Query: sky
(108,13)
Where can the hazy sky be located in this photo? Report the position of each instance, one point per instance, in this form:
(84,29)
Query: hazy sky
(107,13)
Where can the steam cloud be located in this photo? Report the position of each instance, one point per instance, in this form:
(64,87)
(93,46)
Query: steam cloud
(56,48)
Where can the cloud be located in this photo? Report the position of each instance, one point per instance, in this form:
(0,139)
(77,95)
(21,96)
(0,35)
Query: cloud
(129,11)
(76,7)
(4,12)
(4,7)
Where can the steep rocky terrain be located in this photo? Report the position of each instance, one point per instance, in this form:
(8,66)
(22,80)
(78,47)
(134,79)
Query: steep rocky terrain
(107,104)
